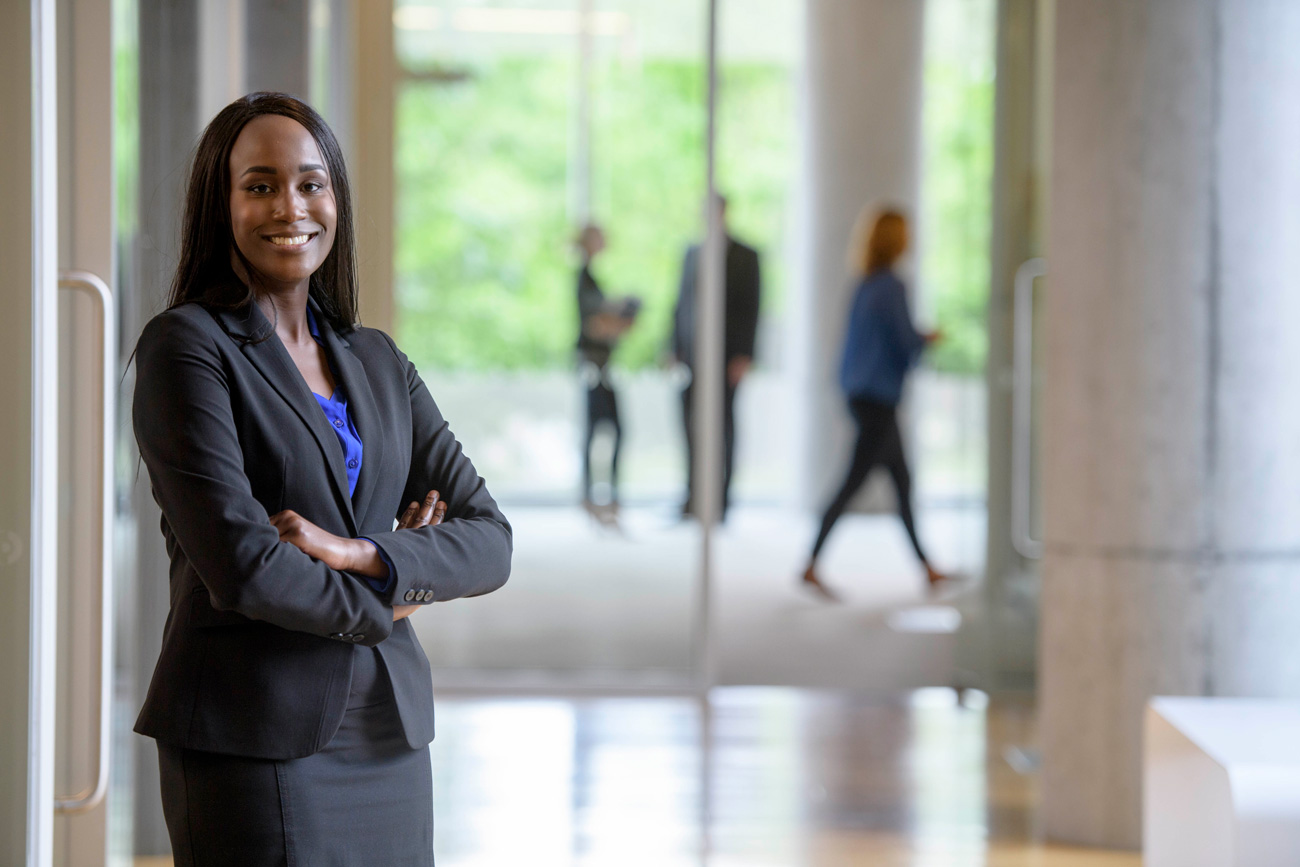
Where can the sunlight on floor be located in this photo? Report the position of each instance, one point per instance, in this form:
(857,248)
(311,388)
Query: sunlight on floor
(797,778)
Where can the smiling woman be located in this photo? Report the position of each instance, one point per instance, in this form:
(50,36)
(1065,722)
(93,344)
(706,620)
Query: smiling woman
(267,171)
(292,702)
(282,216)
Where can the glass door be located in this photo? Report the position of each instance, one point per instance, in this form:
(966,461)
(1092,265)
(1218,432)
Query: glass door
(60,360)
(519,125)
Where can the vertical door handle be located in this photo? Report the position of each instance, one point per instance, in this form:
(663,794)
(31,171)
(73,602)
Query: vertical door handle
(95,288)
(1022,424)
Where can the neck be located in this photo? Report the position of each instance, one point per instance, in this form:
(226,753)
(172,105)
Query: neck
(286,307)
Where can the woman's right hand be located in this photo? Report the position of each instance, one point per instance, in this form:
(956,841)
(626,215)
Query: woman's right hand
(429,513)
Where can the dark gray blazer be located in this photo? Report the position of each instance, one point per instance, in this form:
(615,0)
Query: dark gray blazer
(743,286)
(257,652)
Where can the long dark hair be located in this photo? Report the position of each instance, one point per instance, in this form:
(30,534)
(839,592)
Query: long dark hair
(204,273)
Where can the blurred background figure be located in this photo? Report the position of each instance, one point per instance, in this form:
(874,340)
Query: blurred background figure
(740,325)
(601,322)
(880,348)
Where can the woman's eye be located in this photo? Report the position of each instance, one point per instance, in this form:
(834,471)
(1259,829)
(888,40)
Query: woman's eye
(259,188)
(313,187)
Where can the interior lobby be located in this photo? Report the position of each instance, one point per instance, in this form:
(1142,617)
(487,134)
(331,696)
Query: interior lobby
(1102,434)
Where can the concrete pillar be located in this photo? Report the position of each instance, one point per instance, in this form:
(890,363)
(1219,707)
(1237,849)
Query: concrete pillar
(371,161)
(172,84)
(277,45)
(1170,417)
(863,126)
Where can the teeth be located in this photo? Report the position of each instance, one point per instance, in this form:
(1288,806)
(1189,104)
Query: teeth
(290,241)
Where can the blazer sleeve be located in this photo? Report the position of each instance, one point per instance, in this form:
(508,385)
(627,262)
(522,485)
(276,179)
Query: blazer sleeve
(189,442)
(684,309)
(469,553)
(744,312)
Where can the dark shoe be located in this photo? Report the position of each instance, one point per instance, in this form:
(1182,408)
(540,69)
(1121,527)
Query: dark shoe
(813,583)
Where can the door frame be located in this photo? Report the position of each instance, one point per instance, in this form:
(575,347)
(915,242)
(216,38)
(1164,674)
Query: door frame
(28,591)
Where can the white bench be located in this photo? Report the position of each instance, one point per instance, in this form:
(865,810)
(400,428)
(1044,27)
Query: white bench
(1221,783)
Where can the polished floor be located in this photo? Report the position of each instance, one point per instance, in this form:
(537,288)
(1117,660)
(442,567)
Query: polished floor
(586,601)
(797,778)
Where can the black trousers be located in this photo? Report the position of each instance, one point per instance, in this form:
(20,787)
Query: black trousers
(365,799)
(879,444)
(728,443)
(602,408)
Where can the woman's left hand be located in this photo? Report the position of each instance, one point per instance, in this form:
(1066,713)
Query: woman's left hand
(335,552)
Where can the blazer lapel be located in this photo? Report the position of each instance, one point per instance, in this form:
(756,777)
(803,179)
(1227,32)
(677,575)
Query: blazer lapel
(363,409)
(262,347)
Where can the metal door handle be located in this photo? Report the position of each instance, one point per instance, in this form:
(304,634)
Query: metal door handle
(97,291)
(1022,410)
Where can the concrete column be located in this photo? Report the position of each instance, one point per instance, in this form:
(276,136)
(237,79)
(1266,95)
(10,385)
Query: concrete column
(371,162)
(171,87)
(1170,418)
(277,44)
(862,126)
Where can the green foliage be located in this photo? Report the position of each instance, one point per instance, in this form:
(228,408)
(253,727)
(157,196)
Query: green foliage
(957,189)
(482,229)
(485,270)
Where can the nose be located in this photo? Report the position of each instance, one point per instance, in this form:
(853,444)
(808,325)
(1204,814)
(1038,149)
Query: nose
(289,206)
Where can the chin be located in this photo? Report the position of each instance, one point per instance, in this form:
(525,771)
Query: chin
(277,274)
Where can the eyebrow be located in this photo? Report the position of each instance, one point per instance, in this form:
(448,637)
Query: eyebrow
(270,170)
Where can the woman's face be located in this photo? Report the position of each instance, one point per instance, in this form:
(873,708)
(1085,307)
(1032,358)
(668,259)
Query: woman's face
(282,210)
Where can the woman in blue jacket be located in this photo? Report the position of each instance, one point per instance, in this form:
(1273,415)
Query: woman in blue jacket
(881,346)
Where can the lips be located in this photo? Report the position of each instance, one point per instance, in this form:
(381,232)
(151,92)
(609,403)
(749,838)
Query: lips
(291,241)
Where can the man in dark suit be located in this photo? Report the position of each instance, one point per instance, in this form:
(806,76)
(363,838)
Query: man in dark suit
(740,326)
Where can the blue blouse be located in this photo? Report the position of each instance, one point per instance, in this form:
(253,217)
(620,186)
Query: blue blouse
(336,412)
(882,344)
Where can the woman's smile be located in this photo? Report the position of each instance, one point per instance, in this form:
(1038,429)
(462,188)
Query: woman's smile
(291,243)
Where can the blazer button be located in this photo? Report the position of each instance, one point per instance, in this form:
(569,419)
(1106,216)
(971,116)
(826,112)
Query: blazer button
(410,596)
(359,637)
(336,635)
(422,596)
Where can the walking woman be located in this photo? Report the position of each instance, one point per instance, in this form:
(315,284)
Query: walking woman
(291,702)
(881,346)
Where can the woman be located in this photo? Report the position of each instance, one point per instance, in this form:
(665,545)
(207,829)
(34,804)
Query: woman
(881,346)
(600,325)
(291,702)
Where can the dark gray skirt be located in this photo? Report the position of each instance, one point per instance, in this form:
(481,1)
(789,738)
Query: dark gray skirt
(365,799)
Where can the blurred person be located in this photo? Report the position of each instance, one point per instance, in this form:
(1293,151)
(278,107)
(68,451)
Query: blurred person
(601,322)
(742,288)
(290,451)
(881,346)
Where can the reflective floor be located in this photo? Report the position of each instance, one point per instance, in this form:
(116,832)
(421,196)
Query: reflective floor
(796,778)
(585,600)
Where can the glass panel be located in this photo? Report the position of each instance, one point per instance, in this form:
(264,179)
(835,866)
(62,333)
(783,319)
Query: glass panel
(127,692)
(887,634)
(517,123)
